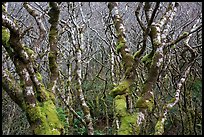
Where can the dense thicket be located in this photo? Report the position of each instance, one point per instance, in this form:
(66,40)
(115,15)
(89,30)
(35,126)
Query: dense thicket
(102,68)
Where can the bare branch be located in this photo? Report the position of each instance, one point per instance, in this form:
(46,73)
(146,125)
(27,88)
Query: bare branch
(137,16)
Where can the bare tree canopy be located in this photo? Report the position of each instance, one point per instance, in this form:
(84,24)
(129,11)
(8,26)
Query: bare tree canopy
(102,68)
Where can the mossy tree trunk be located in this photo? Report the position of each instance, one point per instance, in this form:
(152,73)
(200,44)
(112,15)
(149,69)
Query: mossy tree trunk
(154,59)
(30,94)
(122,91)
(157,31)
(53,39)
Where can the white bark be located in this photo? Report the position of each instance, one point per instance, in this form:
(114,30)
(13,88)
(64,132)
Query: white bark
(112,66)
(38,18)
(29,90)
(78,50)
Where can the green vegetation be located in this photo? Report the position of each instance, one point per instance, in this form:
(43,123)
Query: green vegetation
(101,68)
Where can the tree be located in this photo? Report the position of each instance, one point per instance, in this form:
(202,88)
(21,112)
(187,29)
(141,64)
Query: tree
(157,31)
(30,94)
(102,68)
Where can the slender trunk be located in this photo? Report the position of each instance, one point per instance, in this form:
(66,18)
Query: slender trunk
(78,69)
(53,35)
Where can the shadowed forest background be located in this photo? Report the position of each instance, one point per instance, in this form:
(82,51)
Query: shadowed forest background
(102,68)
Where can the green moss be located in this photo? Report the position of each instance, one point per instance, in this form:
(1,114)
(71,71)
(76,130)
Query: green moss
(39,76)
(136,54)
(120,105)
(155,59)
(38,121)
(29,51)
(128,121)
(52,61)
(128,125)
(141,103)
(147,59)
(128,60)
(122,88)
(172,100)
(150,104)
(173,46)
(51,54)
(3,8)
(5,36)
(159,128)
(97,103)
(156,43)
(54,14)
(128,63)
(119,46)
(34,113)
(52,96)
(153,31)
(22,83)
(145,103)
(53,33)
(45,94)
(50,112)
(185,34)
(45,119)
